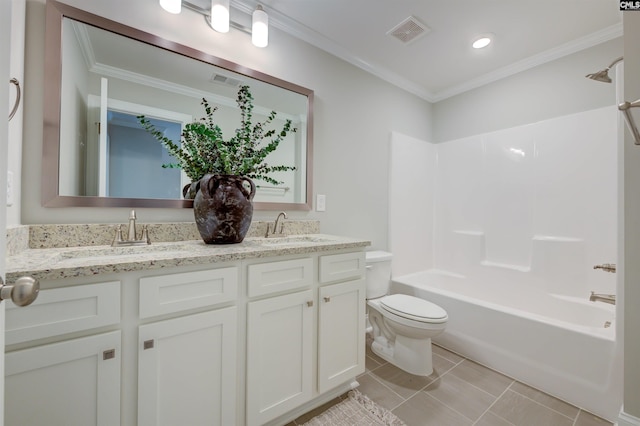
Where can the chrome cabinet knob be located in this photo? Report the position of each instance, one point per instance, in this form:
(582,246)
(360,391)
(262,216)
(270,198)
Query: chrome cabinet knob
(22,293)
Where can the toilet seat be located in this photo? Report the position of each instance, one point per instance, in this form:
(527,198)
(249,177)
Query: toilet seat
(414,308)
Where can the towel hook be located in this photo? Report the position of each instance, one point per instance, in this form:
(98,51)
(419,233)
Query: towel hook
(625,107)
(15,106)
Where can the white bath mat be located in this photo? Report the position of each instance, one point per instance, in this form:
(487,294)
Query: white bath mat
(356,410)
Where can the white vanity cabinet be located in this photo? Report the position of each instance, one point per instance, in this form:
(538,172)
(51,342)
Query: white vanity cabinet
(68,382)
(304,338)
(341,319)
(249,340)
(279,338)
(187,365)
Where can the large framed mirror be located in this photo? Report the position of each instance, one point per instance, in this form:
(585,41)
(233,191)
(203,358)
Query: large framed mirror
(101,75)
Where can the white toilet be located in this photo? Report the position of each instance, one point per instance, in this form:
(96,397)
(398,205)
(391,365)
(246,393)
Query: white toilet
(401,326)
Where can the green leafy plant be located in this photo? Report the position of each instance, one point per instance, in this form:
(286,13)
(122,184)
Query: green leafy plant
(203,149)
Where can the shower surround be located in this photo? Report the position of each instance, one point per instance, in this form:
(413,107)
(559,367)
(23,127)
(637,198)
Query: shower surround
(510,226)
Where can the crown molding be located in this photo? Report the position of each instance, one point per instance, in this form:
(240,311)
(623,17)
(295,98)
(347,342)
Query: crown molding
(304,33)
(558,52)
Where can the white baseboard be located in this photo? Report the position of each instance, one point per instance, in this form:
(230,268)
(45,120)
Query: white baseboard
(625,419)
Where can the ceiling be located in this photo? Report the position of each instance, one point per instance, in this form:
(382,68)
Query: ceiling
(442,63)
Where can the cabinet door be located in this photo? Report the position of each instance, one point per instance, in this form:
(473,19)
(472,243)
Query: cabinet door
(75,382)
(341,335)
(187,370)
(279,355)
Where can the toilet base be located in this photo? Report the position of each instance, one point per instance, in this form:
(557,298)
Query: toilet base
(411,355)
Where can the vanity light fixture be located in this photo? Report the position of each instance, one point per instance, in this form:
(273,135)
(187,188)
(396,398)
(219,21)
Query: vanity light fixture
(218,18)
(220,15)
(482,41)
(171,6)
(260,28)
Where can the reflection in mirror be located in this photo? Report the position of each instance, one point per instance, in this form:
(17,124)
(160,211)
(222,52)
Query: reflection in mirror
(107,74)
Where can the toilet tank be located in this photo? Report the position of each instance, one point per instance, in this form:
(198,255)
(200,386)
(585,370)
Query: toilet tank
(378,273)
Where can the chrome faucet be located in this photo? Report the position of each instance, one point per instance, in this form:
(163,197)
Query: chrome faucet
(132,239)
(607,267)
(606,298)
(275,232)
(131,235)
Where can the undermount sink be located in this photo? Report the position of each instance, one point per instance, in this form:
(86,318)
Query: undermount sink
(117,252)
(294,240)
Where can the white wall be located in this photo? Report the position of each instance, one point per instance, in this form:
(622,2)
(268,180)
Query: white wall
(550,90)
(354,115)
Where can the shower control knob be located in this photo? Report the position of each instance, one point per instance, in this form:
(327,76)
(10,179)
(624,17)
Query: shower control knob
(22,293)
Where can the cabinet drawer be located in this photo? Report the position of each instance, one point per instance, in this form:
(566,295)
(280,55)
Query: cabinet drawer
(64,310)
(272,277)
(178,292)
(338,267)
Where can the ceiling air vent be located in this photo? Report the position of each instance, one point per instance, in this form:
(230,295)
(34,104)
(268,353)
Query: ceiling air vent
(409,30)
(222,79)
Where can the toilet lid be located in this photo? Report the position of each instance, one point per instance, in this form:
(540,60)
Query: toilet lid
(413,308)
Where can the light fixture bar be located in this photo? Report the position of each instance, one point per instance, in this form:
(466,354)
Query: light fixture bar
(206,13)
(195,8)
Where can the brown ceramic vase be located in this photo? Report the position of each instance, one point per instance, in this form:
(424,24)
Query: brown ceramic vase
(223,209)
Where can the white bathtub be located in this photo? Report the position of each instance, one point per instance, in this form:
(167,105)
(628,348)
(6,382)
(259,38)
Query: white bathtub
(564,346)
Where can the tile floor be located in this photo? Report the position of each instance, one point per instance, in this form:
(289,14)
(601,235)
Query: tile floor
(461,392)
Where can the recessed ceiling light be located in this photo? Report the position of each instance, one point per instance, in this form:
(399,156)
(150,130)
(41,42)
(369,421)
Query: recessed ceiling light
(482,41)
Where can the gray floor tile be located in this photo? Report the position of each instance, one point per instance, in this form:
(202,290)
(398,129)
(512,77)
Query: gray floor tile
(460,395)
(545,399)
(405,384)
(401,382)
(490,419)
(444,353)
(588,419)
(523,411)
(423,410)
(378,392)
(371,363)
(484,378)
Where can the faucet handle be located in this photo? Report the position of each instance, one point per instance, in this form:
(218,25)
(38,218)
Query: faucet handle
(118,238)
(145,235)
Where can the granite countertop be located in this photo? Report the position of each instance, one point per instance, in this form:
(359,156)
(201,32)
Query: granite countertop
(67,262)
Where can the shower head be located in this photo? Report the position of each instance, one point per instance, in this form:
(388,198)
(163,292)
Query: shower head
(600,76)
(603,75)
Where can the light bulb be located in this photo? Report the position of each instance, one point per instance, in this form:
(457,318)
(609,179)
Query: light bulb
(171,6)
(260,28)
(220,15)
(481,42)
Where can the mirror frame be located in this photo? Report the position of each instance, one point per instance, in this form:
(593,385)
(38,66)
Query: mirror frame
(55,12)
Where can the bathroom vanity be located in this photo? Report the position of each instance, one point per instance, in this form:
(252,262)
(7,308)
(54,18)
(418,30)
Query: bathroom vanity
(184,333)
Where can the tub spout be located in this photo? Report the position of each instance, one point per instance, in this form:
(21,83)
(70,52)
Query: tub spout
(606,298)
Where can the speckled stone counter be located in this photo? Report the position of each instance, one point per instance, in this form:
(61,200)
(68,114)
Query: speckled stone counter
(79,261)
(63,235)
